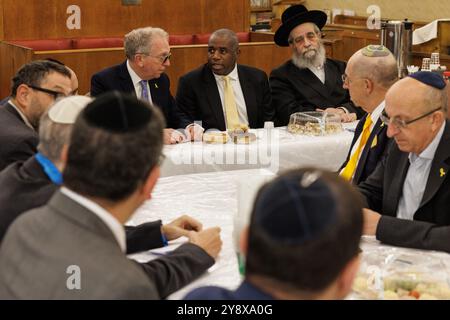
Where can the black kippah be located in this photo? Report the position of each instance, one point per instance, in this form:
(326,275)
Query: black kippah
(118,112)
(429,78)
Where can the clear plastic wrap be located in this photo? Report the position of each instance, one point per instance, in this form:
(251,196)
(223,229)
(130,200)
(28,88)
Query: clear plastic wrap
(314,123)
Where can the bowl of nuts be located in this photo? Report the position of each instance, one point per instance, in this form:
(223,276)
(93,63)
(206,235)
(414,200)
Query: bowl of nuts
(314,123)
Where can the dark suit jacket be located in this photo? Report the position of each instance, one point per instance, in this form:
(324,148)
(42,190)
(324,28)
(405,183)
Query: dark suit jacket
(17,140)
(118,78)
(299,90)
(64,233)
(198,97)
(383,189)
(25,186)
(246,291)
(371,155)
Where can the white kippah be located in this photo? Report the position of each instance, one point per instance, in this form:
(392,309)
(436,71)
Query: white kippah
(66,110)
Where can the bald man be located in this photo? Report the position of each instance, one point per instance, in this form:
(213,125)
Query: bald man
(408,194)
(369,74)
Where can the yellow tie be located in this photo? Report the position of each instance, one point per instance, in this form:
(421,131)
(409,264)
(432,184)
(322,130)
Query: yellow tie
(349,170)
(230,106)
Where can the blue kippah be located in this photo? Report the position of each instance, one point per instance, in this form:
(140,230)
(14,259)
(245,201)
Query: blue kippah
(294,210)
(429,78)
(117,112)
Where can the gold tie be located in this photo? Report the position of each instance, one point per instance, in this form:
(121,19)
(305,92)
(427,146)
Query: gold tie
(230,106)
(349,170)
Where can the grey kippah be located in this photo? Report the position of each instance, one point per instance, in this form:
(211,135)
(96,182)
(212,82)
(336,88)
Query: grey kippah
(118,112)
(373,51)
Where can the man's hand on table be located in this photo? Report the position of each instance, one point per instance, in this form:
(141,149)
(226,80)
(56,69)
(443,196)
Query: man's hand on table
(181,227)
(345,117)
(172,136)
(208,239)
(371,219)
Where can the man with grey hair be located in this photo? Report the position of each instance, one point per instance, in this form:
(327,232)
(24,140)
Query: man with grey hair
(309,81)
(35,87)
(369,74)
(148,55)
(248,102)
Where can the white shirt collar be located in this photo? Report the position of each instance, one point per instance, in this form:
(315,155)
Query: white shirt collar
(24,118)
(233,75)
(134,77)
(113,224)
(429,151)
(375,115)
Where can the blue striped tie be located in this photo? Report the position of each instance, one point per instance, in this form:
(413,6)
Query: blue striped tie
(144,94)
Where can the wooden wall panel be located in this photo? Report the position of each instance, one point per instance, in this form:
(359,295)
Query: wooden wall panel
(1,20)
(46,19)
(11,59)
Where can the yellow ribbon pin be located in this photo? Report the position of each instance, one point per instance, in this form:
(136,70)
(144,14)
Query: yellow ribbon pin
(442,172)
(374,142)
(156,86)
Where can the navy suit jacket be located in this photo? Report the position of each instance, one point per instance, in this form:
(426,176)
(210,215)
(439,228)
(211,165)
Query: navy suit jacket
(373,151)
(17,140)
(299,90)
(198,97)
(246,291)
(430,228)
(118,78)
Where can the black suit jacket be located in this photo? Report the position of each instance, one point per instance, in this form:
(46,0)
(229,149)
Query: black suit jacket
(25,186)
(372,153)
(118,78)
(430,228)
(299,90)
(198,97)
(17,140)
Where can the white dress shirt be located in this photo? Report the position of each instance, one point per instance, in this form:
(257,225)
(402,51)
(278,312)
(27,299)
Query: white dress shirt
(137,83)
(238,95)
(319,73)
(24,118)
(417,178)
(375,115)
(112,223)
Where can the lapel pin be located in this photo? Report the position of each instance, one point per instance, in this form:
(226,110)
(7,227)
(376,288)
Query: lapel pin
(442,172)
(156,86)
(374,142)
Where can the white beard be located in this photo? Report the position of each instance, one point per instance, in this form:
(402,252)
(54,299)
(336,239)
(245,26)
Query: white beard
(311,58)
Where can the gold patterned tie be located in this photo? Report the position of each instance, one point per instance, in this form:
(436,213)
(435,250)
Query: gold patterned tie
(230,106)
(349,170)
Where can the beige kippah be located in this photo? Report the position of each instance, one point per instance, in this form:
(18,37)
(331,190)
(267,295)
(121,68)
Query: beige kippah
(66,110)
(374,50)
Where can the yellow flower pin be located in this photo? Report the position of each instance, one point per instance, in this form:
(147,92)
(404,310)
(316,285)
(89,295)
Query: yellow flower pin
(442,172)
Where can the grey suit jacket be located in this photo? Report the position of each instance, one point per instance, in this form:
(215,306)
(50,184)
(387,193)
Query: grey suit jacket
(42,244)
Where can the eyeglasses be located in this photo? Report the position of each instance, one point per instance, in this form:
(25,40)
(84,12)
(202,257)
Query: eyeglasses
(56,95)
(163,59)
(400,123)
(300,40)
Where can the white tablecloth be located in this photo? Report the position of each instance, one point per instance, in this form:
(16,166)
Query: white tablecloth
(275,150)
(212,199)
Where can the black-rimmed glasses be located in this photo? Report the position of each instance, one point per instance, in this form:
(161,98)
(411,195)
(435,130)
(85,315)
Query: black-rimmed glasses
(56,94)
(400,123)
(163,59)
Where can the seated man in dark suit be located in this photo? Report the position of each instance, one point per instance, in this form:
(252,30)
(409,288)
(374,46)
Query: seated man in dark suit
(202,93)
(35,87)
(112,167)
(302,241)
(369,74)
(148,55)
(308,81)
(410,188)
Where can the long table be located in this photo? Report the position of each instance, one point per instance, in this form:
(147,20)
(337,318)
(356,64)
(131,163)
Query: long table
(276,150)
(222,198)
